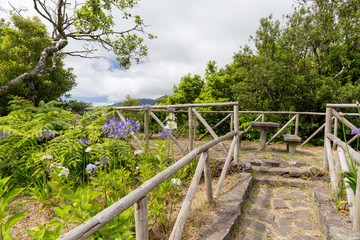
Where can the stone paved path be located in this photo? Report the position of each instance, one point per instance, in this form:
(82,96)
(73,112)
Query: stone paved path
(279,213)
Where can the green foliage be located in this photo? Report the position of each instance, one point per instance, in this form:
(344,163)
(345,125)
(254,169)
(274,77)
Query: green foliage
(309,61)
(21,44)
(5,197)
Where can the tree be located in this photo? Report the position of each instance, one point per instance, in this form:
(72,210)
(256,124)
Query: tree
(21,43)
(187,91)
(129,101)
(92,22)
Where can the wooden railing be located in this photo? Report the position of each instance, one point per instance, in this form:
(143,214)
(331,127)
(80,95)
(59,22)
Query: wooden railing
(138,196)
(335,165)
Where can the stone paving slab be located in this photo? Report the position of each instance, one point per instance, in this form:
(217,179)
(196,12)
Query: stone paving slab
(227,212)
(281,219)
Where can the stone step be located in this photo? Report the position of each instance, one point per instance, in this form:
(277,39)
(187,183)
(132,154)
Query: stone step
(284,172)
(273,162)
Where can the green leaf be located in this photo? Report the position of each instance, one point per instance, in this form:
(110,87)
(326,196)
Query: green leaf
(14,219)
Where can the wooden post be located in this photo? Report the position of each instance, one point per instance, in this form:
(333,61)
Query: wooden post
(263,117)
(330,161)
(191,141)
(231,122)
(226,166)
(185,207)
(349,191)
(336,121)
(195,127)
(297,125)
(327,130)
(208,183)
(146,127)
(236,128)
(141,220)
(356,223)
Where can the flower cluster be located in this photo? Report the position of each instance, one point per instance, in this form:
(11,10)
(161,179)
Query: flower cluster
(355,132)
(170,126)
(103,161)
(91,167)
(46,134)
(165,133)
(84,140)
(3,135)
(170,109)
(116,128)
(146,107)
(176,181)
(63,172)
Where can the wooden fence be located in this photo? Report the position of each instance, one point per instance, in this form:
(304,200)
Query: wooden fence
(138,196)
(340,163)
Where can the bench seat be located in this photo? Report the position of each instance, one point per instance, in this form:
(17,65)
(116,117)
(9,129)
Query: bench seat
(292,141)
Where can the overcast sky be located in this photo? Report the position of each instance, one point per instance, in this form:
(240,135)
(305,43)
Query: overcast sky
(190,33)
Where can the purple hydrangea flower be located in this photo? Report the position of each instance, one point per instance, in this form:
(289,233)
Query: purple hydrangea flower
(84,140)
(170,109)
(104,161)
(165,133)
(46,134)
(355,132)
(91,167)
(116,128)
(146,107)
(4,135)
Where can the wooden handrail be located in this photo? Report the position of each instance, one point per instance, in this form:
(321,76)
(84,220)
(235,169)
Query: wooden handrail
(89,227)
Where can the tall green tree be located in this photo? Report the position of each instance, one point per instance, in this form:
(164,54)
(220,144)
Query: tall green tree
(187,91)
(93,23)
(21,43)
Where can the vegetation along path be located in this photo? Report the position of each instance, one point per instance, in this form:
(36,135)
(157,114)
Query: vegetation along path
(288,198)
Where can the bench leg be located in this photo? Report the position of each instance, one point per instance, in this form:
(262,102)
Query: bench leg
(292,147)
(263,134)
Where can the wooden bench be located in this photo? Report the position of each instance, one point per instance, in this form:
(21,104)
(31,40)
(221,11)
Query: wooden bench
(292,141)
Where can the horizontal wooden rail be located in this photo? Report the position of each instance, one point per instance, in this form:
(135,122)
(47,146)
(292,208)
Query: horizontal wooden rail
(354,154)
(89,227)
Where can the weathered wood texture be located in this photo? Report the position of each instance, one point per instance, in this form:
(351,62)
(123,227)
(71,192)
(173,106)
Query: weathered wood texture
(297,124)
(236,127)
(349,192)
(185,207)
(141,220)
(329,158)
(107,215)
(356,223)
(343,120)
(191,140)
(208,182)
(182,128)
(354,154)
(282,129)
(226,166)
(327,131)
(171,136)
(216,125)
(211,131)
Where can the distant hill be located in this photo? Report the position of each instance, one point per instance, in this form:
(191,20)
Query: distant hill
(141,100)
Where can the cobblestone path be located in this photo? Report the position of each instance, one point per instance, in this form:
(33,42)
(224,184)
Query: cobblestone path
(279,213)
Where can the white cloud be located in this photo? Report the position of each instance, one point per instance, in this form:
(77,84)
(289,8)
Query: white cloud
(190,33)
